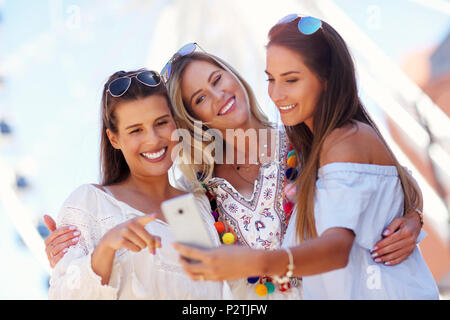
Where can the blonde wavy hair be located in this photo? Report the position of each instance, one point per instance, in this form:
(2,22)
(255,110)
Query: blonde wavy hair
(202,136)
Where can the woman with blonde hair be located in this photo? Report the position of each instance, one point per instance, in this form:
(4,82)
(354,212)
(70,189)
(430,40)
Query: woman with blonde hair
(218,107)
(204,87)
(350,187)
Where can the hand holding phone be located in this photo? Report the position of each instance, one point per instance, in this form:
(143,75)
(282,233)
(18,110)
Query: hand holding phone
(186,222)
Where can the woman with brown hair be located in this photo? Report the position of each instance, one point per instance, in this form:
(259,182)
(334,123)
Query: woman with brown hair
(210,98)
(120,218)
(350,186)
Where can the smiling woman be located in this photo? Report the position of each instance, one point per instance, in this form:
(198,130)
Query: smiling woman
(143,134)
(220,95)
(120,137)
(296,84)
(350,186)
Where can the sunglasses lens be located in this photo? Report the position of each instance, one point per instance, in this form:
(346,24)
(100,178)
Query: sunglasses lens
(119,86)
(187,49)
(149,78)
(288,18)
(309,25)
(165,72)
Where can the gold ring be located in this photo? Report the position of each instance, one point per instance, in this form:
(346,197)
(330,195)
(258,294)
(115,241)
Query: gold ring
(202,278)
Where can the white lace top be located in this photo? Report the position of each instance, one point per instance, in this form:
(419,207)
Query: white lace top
(364,198)
(134,275)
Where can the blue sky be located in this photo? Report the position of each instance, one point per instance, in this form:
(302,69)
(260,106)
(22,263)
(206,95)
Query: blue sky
(51,94)
(398,26)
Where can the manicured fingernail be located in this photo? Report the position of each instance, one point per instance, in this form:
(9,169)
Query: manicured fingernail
(76,233)
(153,252)
(387,263)
(65,250)
(375,248)
(374,254)
(386,232)
(377,260)
(75,239)
(72,228)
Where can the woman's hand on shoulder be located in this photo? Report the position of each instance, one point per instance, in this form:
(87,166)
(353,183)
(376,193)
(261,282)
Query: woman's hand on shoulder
(399,241)
(59,240)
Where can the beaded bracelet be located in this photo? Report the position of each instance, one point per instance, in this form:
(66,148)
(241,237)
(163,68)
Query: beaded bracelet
(290,272)
(420,215)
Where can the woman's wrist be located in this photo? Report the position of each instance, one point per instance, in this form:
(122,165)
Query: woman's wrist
(103,248)
(102,260)
(103,252)
(272,262)
(415,214)
(260,259)
(420,215)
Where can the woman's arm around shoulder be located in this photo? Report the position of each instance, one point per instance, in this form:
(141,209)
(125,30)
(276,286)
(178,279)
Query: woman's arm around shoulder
(360,144)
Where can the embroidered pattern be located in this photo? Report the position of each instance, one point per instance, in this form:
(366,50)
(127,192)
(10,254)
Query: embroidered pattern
(268,214)
(246,219)
(265,243)
(233,208)
(264,207)
(260,225)
(267,194)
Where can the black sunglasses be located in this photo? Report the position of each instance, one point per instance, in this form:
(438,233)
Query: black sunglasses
(119,86)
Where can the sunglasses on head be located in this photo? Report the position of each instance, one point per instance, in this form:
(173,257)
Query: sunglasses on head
(306,25)
(184,51)
(119,86)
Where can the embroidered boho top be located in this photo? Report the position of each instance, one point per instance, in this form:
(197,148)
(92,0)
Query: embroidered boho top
(259,221)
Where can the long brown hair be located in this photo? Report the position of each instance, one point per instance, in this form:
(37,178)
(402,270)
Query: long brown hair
(326,55)
(113,167)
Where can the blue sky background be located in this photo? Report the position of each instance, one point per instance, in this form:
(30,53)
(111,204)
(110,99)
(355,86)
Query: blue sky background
(52,88)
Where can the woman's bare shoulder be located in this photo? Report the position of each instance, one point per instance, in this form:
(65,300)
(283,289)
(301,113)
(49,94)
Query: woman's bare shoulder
(357,142)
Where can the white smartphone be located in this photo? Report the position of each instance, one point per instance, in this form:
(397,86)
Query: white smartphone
(186,222)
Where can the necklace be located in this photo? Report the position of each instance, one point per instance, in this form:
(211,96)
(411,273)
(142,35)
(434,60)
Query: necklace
(238,168)
(263,285)
(258,162)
